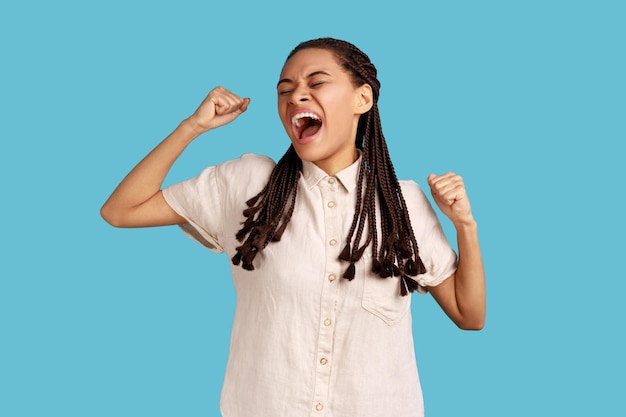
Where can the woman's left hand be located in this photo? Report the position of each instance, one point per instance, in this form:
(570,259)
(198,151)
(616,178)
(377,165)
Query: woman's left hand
(449,193)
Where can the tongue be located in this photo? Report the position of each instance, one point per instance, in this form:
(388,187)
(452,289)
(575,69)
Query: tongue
(310,130)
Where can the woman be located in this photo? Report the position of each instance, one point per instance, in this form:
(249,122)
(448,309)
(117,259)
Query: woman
(305,341)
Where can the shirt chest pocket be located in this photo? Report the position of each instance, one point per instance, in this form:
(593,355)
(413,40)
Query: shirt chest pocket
(381,296)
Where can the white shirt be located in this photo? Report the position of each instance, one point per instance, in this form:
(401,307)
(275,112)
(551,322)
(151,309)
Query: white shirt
(305,341)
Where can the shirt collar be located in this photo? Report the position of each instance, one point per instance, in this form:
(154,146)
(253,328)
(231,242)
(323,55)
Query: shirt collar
(313,174)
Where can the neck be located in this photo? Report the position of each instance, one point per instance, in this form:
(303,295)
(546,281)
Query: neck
(333,165)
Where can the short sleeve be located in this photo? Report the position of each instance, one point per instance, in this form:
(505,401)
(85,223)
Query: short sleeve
(198,201)
(212,203)
(435,251)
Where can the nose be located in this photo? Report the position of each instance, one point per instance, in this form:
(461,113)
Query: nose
(300,94)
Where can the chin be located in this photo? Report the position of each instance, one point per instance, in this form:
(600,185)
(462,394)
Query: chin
(308,150)
(306,153)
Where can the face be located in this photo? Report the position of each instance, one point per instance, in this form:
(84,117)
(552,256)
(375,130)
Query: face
(320,107)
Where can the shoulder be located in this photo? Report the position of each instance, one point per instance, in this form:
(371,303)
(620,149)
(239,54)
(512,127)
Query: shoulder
(243,177)
(417,202)
(413,192)
(247,171)
(248,163)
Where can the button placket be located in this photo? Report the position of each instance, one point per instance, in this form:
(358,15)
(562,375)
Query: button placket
(330,287)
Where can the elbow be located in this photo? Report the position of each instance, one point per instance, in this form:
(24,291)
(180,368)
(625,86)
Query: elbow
(472,326)
(110,216)
(475,324)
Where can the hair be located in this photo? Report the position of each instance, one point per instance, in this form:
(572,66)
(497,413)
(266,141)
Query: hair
(395,252)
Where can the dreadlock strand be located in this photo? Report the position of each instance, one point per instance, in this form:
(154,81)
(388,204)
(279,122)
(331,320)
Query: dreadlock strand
(271,207)
(346,253)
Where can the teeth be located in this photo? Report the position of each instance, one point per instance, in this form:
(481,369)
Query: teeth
(296,119)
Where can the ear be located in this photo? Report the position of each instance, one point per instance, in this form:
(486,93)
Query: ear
(365,99)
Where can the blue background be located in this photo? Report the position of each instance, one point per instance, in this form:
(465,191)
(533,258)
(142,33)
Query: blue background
(525,99)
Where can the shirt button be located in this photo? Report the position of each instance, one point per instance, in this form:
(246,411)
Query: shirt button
(331,204)
(323,361)
(332,277)
(332,242)
(319,406)
(331,180)
(328,322)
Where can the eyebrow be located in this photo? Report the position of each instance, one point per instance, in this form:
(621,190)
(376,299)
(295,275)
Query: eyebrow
(313,74)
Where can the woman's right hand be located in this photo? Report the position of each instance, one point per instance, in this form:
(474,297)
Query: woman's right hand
(220,107)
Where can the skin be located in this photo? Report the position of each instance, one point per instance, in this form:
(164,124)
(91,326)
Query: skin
(311,81)
(463,295)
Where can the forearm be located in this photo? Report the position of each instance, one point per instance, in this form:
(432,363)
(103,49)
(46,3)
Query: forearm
(470,277)
(147,177)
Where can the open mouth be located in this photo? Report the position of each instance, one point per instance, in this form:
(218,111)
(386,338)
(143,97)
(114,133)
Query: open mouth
(306,125)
